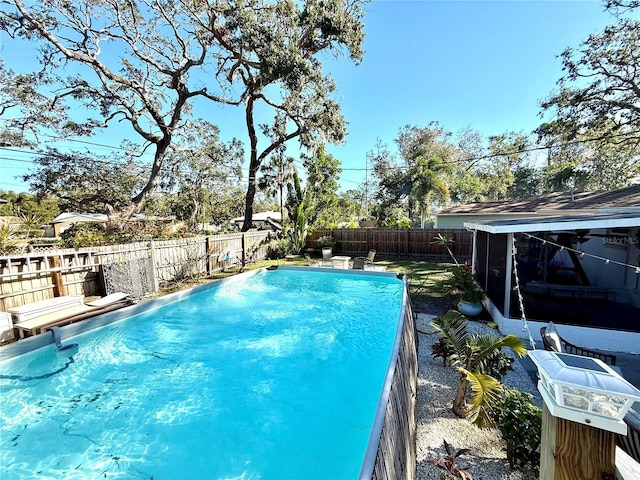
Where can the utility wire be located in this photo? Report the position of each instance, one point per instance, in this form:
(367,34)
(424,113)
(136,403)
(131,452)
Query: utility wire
(468,159)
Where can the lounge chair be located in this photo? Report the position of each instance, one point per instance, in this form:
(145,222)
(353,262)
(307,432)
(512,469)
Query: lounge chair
(359,262)
(327,253)
(370,256)
(310,262)
(553,342)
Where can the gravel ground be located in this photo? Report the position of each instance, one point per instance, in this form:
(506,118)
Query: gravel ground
(436,421)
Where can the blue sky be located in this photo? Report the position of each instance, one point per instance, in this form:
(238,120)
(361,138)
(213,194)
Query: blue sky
(479,64)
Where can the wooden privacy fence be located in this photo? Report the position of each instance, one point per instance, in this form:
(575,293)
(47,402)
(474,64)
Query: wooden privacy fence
(39,276)
(400,243)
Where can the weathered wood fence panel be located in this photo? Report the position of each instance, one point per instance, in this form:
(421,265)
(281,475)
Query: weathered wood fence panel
(397,243)
(396,455)
(38,276)
(179,259)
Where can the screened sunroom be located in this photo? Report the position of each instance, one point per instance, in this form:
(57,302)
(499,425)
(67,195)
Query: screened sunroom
(581,272)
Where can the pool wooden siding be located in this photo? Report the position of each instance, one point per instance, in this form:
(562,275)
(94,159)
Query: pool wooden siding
(396,456)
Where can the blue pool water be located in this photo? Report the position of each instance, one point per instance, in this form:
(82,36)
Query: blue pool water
(275,375)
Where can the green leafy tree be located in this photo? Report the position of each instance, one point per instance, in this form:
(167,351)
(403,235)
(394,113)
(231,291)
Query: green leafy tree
(323,171)
(418,179)
(201,174)
(621,5)
(600,86)
(596,108)
(300,211)
(611,166)
(145,65)
(44,208)
(351,205)
(26,111)
(275,174)
(429,186)
(86,182)
(527,182)
(566,176)
(464,185)
(275,50)
(134,65)
(388,181)
(229,204)
(472,354)
(508,151)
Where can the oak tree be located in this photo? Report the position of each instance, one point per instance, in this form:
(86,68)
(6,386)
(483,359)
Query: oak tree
(594,138)
(145,64)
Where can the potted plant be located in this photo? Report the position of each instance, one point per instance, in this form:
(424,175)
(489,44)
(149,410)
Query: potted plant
(326,242)
(465,291)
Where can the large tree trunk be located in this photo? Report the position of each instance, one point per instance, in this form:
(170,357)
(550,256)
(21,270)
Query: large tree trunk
(460,402)
(118,219)
(254,164)
(248,202)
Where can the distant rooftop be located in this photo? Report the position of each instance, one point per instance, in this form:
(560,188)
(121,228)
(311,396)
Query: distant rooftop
(624,198)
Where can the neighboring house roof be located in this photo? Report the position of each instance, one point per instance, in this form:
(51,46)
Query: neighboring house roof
(260,217)
(71,217)
(624,198)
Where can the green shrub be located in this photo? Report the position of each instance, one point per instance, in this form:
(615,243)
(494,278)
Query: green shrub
(520,422)
(498,364)
(326,241)
(86,234)
(281,249)
(33,233)
(9,241)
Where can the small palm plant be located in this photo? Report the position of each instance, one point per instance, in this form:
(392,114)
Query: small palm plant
(471,357)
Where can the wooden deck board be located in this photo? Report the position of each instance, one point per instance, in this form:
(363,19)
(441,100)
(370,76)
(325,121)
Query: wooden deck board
(31,326)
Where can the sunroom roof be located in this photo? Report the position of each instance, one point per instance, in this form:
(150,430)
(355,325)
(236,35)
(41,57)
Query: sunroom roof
(555,223)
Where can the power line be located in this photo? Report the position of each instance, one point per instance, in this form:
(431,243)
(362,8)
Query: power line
(524,150)
(16,160)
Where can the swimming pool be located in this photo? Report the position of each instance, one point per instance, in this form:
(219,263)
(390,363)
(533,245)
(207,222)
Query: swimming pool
(236,379)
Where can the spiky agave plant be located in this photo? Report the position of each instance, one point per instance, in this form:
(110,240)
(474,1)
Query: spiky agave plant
(469,358)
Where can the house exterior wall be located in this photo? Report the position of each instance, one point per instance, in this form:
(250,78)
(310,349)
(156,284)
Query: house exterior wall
(58,228)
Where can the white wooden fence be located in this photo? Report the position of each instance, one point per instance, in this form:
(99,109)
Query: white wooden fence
(37,276)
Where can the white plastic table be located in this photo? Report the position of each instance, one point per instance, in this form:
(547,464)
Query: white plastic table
(340,261)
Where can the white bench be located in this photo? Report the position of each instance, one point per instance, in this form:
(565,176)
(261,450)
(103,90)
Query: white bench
(44,307)
(36,317)
(41,323)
